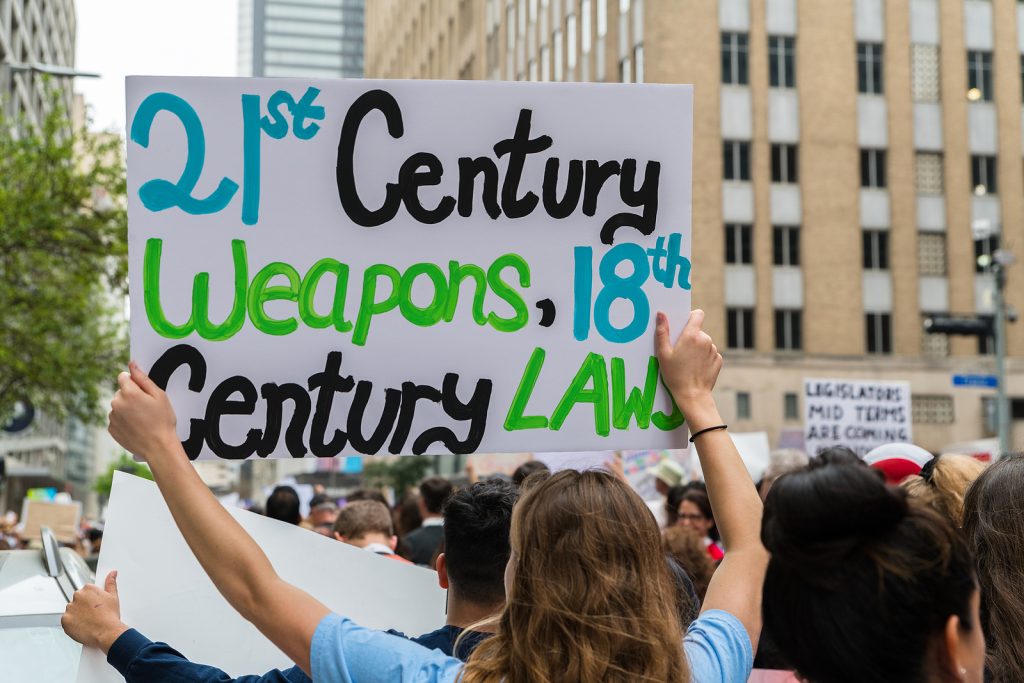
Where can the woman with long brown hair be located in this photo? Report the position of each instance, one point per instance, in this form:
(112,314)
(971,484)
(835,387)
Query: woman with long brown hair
(589,595)
(994,525)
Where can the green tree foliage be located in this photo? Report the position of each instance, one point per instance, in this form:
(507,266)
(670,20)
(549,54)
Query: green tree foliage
(401,473)
(125,463)
(63,264)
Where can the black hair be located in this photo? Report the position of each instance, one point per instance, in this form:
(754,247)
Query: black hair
(434,491)
(477,520)
(283,504)
(860,582)
(526,469)
(701,500)
(366,494)
(672,500)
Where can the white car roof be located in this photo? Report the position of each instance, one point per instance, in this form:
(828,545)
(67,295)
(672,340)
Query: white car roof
(26,588)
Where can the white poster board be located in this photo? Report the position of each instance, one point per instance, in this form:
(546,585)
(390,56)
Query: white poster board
(342,267)
(754,448)
(167,596)
(858,414)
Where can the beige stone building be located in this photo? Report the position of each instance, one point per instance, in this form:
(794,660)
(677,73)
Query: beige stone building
(852,158)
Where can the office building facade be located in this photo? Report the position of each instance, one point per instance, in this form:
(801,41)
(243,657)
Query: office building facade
(852,160)
(300,38)
(35,33)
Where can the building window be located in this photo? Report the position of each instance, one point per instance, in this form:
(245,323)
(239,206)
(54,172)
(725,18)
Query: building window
(571,47)
(734,58)
(788,330)
(876,249)
(986,246)
(933,409)
(872,168)
(983,174)
(935,345)
(556,41)
(879,332)
(979,76)
(785,245)
(737,160)
(928,173)
(790,406)
(924,73)
(781,62)
(740,328)
(931,253)
(738,244)
(742,405)
(986,345)
(784,164)
(869,68)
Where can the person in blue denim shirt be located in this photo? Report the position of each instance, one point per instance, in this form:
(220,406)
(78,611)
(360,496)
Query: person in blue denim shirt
(589,595)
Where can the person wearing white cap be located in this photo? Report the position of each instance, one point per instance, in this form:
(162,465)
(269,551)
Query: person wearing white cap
(897,461)
(667,473)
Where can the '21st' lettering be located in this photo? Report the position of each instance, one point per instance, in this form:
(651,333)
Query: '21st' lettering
(160,194)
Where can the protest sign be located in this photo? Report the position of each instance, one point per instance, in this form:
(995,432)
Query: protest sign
(857,414)
(323,268)
(166,595)
(754,448)
(636,466)
(62,518)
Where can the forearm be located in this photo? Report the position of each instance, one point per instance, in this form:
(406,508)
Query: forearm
(732,493)
(234,562)
(140,660)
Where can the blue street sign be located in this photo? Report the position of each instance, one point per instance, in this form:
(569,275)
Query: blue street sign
(977,381)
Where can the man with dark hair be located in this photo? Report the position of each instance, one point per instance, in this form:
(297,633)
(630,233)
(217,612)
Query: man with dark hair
(526,469)
(366,494)
(424,543)
(283,504)
(477,520)
(472,569)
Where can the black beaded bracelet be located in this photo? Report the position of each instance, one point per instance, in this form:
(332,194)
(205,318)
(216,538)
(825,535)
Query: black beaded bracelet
(708,429)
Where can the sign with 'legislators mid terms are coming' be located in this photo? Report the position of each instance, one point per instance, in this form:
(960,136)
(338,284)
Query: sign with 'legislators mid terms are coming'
(854,413)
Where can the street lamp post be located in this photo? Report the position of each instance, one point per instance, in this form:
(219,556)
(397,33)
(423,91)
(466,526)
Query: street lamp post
(48,69)
(1001,259)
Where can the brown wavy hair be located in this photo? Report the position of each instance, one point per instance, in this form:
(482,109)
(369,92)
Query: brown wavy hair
(590,596)
(994,526)
(689,550)
(944,486)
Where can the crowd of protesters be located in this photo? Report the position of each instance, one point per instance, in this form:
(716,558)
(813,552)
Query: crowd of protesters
(837,568)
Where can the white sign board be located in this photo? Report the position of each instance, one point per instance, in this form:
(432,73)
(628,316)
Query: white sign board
(167,596)
(342,267)
(858,414)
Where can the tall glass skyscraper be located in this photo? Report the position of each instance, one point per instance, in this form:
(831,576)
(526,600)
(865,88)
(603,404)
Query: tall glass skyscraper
(304,38)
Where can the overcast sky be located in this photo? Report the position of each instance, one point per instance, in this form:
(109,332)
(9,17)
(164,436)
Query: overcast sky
(118,38)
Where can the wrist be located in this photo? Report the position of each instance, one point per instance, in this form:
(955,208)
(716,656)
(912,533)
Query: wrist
(107,639)
(700,412)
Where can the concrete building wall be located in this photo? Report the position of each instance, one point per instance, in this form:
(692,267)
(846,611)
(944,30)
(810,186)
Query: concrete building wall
(35,32)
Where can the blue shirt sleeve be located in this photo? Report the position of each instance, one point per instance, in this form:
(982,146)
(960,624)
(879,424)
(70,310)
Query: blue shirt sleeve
(718,649)
(140,660)
(344,652)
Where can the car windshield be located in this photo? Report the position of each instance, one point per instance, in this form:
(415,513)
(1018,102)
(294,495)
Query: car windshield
(39,654)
